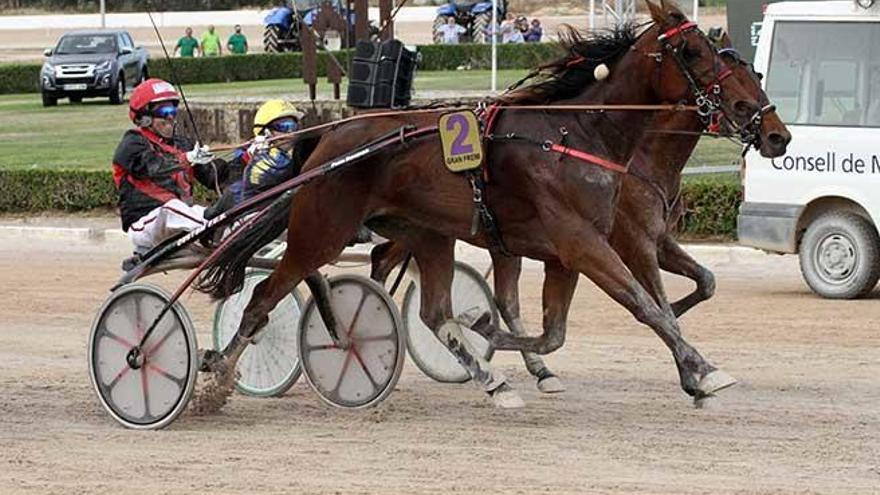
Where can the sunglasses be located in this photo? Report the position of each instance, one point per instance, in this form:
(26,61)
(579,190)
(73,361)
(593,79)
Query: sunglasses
(284,125)
(165,112)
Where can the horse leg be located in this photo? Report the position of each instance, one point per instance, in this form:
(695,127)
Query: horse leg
(559,285)
(676,260)
(383,258)
(304,255)
(434,254)
(591,255)
(507,270)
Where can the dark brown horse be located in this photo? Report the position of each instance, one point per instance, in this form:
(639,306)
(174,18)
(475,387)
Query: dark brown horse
(552,207)
(648,211)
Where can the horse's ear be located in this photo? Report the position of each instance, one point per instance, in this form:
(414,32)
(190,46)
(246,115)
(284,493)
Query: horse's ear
(672,12)
(657,13)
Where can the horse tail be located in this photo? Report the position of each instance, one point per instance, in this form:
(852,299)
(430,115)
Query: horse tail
(224,276)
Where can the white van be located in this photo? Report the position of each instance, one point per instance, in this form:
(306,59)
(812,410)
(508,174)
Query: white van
(821,62)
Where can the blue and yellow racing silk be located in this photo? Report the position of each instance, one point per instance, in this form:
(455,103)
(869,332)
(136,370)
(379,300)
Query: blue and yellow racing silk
(265,169)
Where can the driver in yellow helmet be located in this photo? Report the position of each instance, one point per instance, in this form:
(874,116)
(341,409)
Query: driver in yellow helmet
(266,164)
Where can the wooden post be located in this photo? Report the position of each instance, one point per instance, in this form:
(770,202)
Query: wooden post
(310,61)
(385,19)
(361,20)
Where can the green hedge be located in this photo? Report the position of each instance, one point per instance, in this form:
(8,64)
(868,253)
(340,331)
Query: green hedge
(711,203)
(19,78)
(24,78)
(66,190)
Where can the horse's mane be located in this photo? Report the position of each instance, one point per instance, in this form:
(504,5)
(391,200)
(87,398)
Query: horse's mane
(567,77)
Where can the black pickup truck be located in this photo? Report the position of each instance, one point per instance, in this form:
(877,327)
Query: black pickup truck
(87,64)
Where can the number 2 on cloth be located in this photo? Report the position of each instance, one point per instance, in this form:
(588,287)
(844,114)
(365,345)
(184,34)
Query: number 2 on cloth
(460,136)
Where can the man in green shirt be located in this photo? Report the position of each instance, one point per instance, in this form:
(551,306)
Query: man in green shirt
(237,43)
(187,45)
(211,43)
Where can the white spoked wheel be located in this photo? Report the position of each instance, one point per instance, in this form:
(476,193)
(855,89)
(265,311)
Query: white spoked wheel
(366,373)
(471,298)
(270,365)
(142,387)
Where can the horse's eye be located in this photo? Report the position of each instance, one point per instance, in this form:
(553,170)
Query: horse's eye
(689,53)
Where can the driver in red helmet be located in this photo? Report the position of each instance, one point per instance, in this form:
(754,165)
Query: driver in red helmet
(154,168)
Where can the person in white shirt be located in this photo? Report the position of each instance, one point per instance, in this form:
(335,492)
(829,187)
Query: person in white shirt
(451,31)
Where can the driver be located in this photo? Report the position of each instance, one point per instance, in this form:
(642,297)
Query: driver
(266,163)
(154,168)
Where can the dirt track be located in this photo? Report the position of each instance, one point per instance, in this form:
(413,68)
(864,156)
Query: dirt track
(805,417)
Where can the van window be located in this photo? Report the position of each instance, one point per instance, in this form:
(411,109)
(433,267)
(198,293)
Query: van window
(826,73)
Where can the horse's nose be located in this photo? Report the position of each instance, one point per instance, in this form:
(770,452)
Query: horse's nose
(778,141)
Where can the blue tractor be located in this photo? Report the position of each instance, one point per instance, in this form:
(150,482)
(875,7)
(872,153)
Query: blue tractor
(474,15)
(283,24)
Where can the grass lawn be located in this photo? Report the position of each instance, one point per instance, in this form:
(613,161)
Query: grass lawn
(85,135)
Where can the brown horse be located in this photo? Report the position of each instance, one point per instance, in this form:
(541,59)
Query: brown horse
(553,207)
(648,211)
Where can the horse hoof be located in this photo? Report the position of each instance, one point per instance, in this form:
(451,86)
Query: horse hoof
(715,381)
(709,402)
(551,385)
(507,399)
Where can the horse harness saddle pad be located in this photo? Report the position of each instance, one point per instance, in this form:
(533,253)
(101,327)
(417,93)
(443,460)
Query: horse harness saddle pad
(460,137)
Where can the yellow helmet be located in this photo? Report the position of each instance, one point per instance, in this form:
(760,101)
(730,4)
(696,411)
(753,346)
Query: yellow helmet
(273,110)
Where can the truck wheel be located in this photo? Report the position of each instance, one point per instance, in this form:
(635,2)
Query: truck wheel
(840,255)
(435,29)
(118,93)
(49,101)
(480,27)
(270,39)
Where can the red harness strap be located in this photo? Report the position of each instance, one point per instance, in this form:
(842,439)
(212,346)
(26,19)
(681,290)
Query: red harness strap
(586,157)
(677,30)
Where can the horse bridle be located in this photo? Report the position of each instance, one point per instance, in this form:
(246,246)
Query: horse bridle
(708,98)
(750,134)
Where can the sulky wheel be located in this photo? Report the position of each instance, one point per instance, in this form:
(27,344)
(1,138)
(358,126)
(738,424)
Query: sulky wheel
(364,374)
(150,388)
(270,365)
(471,298)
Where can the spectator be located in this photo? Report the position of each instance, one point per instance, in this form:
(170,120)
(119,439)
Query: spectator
(211,43)
(188,45)
(510,33)
(535,33)
(237,43)
(451,31)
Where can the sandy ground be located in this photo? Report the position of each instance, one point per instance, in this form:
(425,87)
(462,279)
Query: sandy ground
(28,45)
(805,417)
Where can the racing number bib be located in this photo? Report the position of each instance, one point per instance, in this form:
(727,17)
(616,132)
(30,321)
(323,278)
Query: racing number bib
(460,136)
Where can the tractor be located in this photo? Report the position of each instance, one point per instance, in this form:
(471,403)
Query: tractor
(474,15)
(283,23)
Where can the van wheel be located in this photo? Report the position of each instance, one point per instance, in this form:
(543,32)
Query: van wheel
(840,256)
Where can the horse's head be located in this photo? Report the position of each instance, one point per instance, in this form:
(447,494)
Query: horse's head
(691,70)
(766,132)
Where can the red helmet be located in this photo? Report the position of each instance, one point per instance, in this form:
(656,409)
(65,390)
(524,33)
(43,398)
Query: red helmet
(150,91)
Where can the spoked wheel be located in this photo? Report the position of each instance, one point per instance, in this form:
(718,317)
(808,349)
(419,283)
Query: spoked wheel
(366,373)
(150,388)
(270,365)
(471,298)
